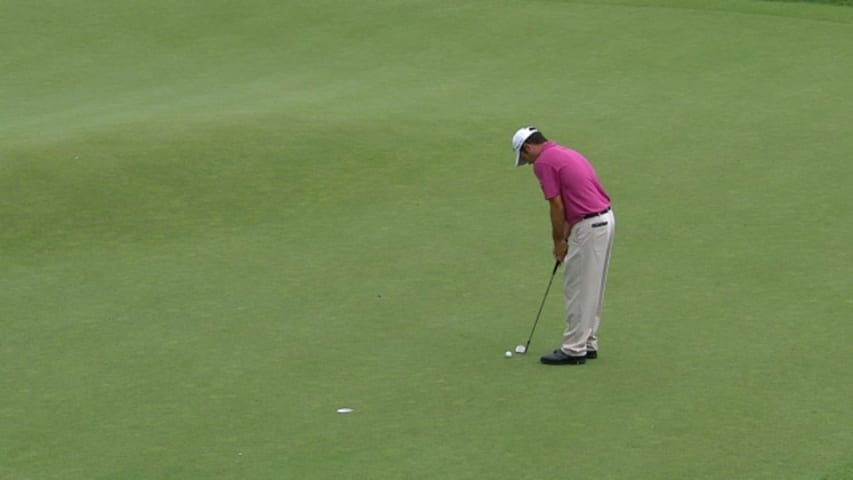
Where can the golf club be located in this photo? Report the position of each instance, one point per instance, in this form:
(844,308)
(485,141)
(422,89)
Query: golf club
(535,322)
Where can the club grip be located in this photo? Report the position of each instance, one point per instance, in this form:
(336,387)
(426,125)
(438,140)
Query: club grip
(556,266)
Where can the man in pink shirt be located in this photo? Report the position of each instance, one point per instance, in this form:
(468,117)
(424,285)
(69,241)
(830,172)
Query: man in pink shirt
(582,228)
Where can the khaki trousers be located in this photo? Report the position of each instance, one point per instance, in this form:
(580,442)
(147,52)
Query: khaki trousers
(585,270)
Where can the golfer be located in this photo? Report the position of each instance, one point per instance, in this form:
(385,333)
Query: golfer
(582,228)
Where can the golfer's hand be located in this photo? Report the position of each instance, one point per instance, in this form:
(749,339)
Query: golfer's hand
(560,250)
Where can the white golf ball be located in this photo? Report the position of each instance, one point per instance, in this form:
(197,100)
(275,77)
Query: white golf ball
(508,354)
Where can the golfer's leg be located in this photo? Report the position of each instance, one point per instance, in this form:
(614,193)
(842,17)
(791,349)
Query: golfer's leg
(604,249)
(580,304)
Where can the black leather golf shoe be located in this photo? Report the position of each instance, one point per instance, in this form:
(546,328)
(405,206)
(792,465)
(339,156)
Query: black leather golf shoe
(560,358)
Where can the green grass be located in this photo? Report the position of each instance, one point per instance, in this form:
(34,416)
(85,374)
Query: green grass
(221,222)
(829,2)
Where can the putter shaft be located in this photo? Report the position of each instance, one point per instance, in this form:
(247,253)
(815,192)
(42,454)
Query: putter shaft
(542,304)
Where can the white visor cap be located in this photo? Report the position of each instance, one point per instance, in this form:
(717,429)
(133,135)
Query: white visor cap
(518,140)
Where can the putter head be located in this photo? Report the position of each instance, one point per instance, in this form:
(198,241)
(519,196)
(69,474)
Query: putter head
(521,349)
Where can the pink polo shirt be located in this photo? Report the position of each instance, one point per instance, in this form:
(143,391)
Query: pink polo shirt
(565,172)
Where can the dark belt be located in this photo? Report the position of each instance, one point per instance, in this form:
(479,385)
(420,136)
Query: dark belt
(592,215)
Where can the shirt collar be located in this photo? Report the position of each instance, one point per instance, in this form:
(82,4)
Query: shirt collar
(548,145)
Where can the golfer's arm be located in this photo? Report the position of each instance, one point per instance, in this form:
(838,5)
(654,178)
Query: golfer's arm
(558,219)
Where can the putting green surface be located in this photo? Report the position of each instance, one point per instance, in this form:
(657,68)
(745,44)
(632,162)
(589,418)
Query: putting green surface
(220,222)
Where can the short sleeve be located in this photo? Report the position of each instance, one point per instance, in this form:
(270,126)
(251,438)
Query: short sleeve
(548,179)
